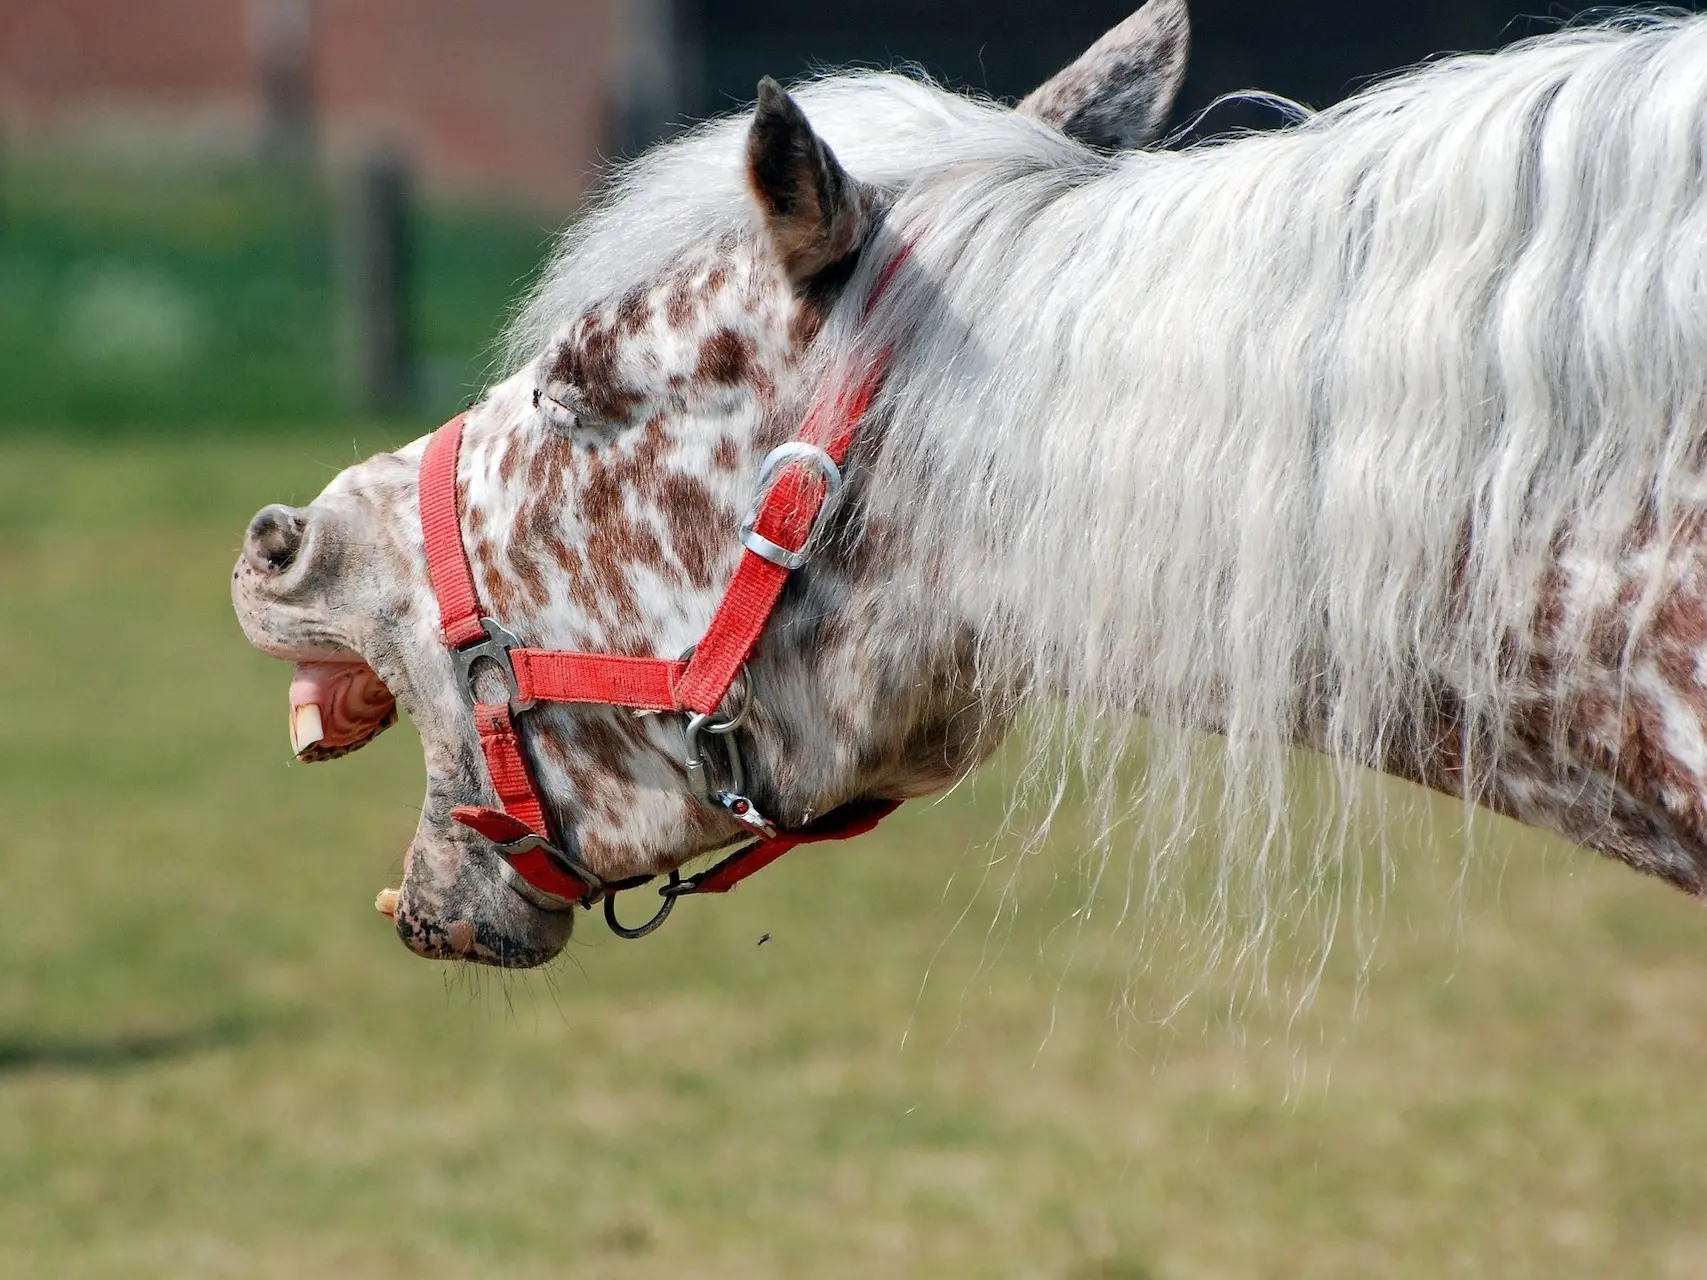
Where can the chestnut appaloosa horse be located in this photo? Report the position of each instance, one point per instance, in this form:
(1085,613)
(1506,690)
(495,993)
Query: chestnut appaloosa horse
(840,432)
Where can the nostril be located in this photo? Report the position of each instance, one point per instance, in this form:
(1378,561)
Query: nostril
(275,534)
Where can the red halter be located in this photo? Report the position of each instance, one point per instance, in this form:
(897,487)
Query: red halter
(778,537)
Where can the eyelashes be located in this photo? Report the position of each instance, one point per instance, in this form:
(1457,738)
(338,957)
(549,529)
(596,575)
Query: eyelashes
(561,407)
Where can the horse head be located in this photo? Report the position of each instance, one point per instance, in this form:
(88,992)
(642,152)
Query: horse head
(692,321)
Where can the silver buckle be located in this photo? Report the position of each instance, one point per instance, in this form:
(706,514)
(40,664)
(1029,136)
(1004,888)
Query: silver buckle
(775,461)
(496,646)
(516,881)
(527,844)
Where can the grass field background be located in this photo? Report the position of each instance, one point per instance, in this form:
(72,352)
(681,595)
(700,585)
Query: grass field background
(216,1059)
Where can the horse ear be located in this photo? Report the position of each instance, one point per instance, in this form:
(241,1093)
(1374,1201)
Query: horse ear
(1120,91)
(815,213)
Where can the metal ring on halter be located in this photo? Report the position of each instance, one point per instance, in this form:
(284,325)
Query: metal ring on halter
(745,682)
(775,461)
(740,717)
(707,722)
(641,931)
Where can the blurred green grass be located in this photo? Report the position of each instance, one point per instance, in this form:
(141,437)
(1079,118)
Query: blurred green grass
(216,1059)
(147,293)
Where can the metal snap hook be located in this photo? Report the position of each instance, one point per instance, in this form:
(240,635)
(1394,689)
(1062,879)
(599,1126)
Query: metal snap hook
(698,777)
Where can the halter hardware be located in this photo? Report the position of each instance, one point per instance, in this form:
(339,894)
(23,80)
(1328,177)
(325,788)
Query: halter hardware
(664,908)
(693,760)
(510,850)
(775,461)
(745,811)
(495,648)
(732,799)
(780,532)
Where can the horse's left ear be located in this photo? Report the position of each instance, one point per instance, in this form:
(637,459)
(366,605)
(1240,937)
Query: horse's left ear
(1120,91)
(816,214)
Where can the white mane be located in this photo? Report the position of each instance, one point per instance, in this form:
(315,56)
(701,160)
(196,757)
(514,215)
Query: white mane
(1271,434)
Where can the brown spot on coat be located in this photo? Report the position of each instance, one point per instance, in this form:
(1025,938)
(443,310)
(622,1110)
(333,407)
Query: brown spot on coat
(501,597)
(679,305)
(726,358)
(633,312)
(803,326)
(698,527)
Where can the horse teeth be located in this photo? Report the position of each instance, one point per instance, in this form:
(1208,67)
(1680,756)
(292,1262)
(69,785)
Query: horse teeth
(305,727)
(386,903)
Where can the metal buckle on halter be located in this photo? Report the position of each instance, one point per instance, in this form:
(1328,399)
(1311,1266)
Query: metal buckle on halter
(597,889)
(775,461)
(509,849)
(496,646)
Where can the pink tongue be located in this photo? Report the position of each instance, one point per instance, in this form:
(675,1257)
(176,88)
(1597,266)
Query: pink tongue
(354,704)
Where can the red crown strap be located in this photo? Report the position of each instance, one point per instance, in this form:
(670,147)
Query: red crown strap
(785,518)
(441,530)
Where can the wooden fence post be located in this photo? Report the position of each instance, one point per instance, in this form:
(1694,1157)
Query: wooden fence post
(281,37)
(375,259)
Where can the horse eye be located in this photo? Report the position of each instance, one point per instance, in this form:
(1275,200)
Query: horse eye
(559,414)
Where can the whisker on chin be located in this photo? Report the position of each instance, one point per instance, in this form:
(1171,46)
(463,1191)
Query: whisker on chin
(556,994)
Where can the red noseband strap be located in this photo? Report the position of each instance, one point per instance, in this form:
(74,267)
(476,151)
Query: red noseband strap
(777,538)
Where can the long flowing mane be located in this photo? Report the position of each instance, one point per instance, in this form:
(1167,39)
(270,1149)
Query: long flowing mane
(1276,436)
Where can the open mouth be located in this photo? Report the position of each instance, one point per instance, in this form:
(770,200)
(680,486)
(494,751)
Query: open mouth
(337,706)
(450,905)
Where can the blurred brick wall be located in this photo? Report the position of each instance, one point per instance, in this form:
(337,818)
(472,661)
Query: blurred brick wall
(67,59)
(507,98)
(506,95)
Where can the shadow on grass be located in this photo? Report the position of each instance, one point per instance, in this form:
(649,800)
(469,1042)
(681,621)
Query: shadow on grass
(121,1051)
